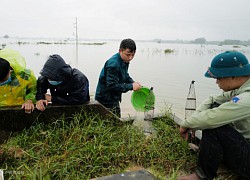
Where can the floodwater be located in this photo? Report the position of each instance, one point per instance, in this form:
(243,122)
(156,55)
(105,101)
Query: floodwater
(169,74)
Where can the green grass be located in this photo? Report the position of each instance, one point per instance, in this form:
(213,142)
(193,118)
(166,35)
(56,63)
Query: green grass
(86,146)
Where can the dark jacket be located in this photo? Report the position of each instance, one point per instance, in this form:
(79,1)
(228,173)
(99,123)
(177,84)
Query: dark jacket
(73,90)
(113,81)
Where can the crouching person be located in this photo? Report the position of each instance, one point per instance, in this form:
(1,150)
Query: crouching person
(226,128)
(67,85)
(17,84)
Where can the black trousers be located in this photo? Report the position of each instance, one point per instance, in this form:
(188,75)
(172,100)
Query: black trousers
(114,108)
(223,145)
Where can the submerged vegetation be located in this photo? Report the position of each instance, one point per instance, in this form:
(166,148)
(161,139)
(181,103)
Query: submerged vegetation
(86,146)
(168,51)
(94,43)
(61,42)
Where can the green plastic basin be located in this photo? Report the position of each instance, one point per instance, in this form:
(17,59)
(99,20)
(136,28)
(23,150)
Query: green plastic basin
(143,99)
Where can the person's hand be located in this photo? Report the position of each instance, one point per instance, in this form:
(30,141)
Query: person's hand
(48,97)
(184,132)
(28,106)
(136,86)
(40,104)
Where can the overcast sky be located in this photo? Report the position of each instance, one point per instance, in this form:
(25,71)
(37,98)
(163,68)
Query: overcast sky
(117,19)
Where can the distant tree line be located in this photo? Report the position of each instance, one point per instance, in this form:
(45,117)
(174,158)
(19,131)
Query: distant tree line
(200,40)
(203,40)
(235,42)
(6,36)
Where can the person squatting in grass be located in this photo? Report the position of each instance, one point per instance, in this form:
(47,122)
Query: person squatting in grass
(225,128)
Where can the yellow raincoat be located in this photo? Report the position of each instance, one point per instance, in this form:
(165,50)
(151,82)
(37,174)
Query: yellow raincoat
(23,81)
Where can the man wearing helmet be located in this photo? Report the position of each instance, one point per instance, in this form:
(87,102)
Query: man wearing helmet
(226,128)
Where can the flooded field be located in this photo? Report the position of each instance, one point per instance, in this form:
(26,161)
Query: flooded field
(169,73)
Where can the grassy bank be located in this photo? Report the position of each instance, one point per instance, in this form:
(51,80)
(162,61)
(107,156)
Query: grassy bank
(86,146)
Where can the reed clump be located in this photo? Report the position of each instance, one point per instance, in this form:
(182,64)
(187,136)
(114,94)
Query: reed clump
(87,146)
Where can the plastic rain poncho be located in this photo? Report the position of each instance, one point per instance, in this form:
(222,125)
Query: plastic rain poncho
(23,81)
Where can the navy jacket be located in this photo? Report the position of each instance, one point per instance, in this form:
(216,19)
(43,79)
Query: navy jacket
(113,81)
(73,90)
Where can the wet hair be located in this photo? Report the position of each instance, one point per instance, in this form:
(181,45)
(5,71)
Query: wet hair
(128,44)
(4,68)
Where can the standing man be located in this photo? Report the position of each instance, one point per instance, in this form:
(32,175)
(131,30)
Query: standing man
(67,85)
(17,84)
(224,119)
(114,78)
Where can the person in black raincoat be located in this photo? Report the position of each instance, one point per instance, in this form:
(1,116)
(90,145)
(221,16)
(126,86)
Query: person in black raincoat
(114,78)
(67,85)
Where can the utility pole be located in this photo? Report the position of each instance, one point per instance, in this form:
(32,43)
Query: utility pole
(76,44)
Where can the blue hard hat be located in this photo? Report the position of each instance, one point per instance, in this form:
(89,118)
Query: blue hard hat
(228,64)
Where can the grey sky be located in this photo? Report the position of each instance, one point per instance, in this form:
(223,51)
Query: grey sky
(137,19)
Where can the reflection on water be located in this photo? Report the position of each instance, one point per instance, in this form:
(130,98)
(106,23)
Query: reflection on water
(169,73)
